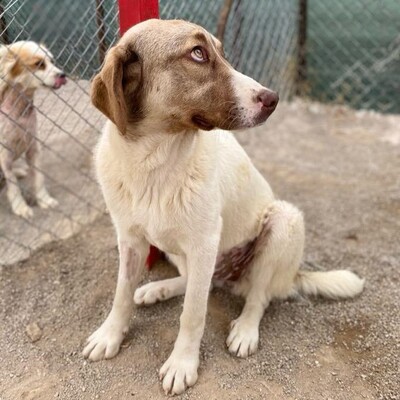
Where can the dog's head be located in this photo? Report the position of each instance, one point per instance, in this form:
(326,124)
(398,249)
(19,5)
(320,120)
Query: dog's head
(173,75)
(30,65)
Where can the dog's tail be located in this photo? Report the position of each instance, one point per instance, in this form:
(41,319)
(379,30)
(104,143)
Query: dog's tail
(339,284)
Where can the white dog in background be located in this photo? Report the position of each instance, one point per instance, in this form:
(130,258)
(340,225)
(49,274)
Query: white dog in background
(172,179)
(24,67)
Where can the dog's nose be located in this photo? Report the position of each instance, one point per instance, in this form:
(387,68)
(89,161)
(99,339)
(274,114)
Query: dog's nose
(268,98)
(62,74)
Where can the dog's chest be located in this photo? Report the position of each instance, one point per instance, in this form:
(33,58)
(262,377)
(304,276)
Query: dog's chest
(162,233)
(164,195)
(166,241)
(20,132)
(149,212)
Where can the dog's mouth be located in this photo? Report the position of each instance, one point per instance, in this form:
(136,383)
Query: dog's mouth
(60,80)
(262,116)
(202,123)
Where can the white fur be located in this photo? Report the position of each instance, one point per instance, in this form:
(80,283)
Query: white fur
(331,284)
(246,89)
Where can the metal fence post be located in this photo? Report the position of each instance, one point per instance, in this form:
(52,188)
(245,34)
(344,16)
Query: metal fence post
(133,12)
(301,77)
(101,30)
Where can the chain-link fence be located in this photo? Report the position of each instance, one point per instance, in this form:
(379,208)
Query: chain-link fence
(340,51)
(353,53)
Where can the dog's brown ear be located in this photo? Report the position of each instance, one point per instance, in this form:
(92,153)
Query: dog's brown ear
(107,91)
(9,62)
(16,69)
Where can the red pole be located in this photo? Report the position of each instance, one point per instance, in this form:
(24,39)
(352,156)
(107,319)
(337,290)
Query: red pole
(132,12)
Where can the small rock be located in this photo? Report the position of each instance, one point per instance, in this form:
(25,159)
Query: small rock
(34,332)
(351,235)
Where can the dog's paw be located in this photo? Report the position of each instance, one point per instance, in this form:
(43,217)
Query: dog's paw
(178,373)
(243,339)
(22,209)
(47,202)
(105,342)
(150,293)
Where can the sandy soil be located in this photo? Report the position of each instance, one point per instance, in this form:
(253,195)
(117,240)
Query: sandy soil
(342,169)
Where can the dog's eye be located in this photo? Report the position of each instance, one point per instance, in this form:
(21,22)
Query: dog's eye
(198,54)
(39,63)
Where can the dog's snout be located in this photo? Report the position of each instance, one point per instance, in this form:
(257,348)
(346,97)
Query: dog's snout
(60,80)
(268,98)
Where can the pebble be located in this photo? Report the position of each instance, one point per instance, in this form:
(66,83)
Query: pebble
(34,332)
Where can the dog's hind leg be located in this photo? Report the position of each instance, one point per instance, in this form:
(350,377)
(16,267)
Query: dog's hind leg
(271,275)
(20,172)
(160,290)
(165,289)
(2,179)
(14,195)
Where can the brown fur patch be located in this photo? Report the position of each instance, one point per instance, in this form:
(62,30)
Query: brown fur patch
(25,59)
(233,264)
(107,93)
(37,63)
(16,69)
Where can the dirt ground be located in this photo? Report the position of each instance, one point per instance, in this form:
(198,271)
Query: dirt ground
(342,169)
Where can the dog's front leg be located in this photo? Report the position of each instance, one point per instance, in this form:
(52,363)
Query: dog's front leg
(180,370)
(106,341)
(36,178)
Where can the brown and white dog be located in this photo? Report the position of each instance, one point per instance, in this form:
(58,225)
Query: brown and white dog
(174,177)
(24,67)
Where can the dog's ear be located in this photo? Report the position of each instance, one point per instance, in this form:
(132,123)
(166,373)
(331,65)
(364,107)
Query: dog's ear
(9,62)
(3,60)
(107,91)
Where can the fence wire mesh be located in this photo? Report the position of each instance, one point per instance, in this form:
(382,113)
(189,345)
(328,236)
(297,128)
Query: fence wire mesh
(353,53)
(346,52)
